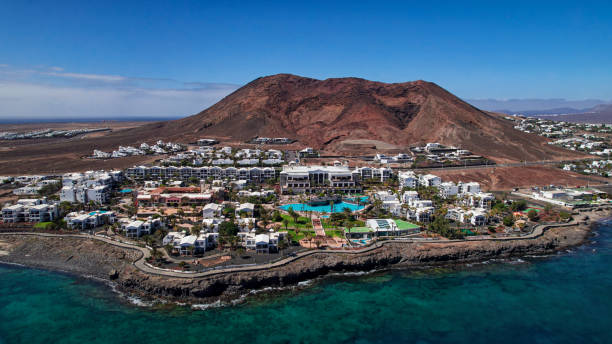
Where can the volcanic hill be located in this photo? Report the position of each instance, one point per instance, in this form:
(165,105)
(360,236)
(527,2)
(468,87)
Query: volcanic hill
(352,115)
(349,116)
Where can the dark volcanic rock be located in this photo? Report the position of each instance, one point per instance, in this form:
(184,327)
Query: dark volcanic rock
(89,257)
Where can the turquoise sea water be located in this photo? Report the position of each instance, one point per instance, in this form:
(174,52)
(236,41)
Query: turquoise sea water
(560,299)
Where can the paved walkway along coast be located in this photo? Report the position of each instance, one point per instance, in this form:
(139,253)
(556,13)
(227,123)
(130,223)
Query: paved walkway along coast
(142,265)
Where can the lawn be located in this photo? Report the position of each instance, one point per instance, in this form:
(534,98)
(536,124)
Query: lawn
(401,224)
(302,221)
(295,237)
(328,225)
(335,233)
(42,225)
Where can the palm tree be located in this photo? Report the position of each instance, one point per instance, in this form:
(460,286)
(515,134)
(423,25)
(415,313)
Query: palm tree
(281,246)
(347,213)
(285,223)
(195,229)
(347,225)
(65,207)
(293,214)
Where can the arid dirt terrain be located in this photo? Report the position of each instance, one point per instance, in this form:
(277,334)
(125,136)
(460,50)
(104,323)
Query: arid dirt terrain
(50,155)
(506,178)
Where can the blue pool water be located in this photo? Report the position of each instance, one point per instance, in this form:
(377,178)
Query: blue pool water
(101,212)
(362,199)
(338,207)
(126,191)
(360,241)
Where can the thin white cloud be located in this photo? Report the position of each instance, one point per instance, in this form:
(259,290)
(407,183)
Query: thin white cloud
(95,77)
(33,101)
(49,92)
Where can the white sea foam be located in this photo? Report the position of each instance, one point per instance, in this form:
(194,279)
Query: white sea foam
(305,283)
(204,306)
(353,273)
(139,302)
(14,264)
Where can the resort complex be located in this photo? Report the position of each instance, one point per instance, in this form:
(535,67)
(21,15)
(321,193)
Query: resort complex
(211,206)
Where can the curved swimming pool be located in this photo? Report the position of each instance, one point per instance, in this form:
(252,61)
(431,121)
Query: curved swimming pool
(338,207)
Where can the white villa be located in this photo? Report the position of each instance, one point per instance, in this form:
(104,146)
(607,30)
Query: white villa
(475,217)
(212,210)
(263,243)
(429,180)
(138,228)
(408,179)
(89,220)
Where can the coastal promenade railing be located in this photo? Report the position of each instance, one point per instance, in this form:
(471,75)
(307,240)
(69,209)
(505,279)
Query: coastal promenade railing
(142,264)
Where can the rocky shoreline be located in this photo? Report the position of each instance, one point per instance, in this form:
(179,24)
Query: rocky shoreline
(89,257)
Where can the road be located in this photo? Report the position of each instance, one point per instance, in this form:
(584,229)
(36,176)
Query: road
(516,164)
(143,266)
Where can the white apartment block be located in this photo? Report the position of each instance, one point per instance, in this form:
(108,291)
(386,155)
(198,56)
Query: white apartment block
(429,180)
(83,194)
(189,244)
(137,228)
(448,189)
(380,174)
(254,174)
(30,210)
(93,219)
(475,217)
(468,188)
(408,179)
(88,186)
(410,196)
(481,200)
(262,243)
(212,210)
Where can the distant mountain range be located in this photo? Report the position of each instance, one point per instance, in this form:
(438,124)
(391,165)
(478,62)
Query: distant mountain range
(598,114)
(583,111)
(536,105)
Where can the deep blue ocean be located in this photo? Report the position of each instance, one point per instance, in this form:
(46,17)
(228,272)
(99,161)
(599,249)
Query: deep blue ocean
(564,298)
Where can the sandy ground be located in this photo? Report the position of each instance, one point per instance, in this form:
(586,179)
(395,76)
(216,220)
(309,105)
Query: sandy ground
(58,155)
(506,178)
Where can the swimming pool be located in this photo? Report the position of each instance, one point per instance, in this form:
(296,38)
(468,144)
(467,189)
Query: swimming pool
(338,207)
(126,191)
(360,241)
(361,199)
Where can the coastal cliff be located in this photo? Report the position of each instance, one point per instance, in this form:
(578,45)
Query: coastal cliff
(99,259)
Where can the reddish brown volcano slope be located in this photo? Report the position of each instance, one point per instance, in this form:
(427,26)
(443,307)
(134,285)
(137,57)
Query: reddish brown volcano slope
(345,115)
(334,114)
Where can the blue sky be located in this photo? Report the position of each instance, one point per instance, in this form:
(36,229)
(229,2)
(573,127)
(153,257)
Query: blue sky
(173,58)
